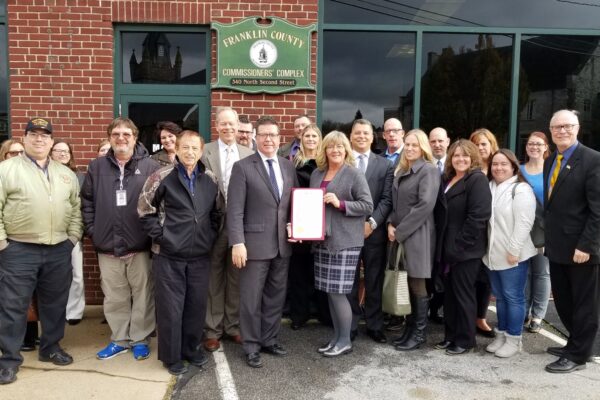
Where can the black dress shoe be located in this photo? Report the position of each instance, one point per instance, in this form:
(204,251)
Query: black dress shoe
(483,332)
(338,351)
(443,345)
(59,357)
(253,360)
(564,366)
(275,349)
(28,347)
(353,334)
(176,368)
(8,375)
(454,350)
(73,321)
(556,351)
(199,359)
(377,336)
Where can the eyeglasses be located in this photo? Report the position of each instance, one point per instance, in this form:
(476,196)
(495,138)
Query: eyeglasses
(38,135)
(536,144)
(60,152)
(116,135)
(394,131)
(566,127)
(15,153)
(267,135)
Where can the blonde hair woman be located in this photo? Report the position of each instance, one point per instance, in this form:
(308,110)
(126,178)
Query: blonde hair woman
(348,203)
(414,194)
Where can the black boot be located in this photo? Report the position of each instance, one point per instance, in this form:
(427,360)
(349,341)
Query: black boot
(31,335)
(417,336)
(408,328)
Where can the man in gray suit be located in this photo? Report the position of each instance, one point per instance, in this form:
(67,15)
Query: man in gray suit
(379,173)
(290,149)
(258,210)
(223,305)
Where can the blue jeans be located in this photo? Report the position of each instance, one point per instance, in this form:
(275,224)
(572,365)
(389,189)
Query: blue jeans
(537,288)
(509,288)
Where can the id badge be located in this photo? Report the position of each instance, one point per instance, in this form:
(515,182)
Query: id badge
(121,198)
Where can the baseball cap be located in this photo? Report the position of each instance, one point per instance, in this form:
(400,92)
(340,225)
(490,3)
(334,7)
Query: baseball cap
(38,123)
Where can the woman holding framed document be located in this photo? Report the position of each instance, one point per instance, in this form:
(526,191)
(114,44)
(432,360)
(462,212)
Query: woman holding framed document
(414,194)
(347,204)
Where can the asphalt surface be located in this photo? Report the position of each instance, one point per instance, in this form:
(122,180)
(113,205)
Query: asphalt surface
(377,371)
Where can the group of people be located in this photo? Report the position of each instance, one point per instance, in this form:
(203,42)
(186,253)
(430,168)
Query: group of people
(194,242)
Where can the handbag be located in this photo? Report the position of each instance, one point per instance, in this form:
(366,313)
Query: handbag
(395,298)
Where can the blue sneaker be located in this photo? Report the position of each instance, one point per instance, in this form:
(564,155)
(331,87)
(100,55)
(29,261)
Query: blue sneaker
(110,351)
(140,351)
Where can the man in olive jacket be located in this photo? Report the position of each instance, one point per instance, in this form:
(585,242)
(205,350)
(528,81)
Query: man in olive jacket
(40,223)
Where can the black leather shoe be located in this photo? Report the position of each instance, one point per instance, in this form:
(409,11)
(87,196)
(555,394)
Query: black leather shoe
(483,332)
(556,351)
(199,359)
(443,345)
(8,375)
(275,349)
(73,321)
(338,351)
(59,357)
(353,334)
(564,366)
(28,347)
(454,350)
(253,360)
(177,368)
(377,336)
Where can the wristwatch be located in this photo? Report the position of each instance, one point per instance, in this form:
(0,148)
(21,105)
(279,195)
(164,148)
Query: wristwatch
(372,222)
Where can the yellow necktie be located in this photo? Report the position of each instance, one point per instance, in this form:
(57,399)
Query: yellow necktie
(556,171)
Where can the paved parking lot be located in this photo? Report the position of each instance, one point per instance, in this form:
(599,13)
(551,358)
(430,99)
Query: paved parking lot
(376,371)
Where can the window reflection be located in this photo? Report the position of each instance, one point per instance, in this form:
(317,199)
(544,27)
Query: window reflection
(559,72)
(466,84)
(367,75)
(530,14)
(146,115)
(164,57)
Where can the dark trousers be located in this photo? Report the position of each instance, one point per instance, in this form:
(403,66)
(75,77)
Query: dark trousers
(460,305)
(180,291)
(483,291)
(301,284)
(577,297)
(26,267)
(262,294)
(373,257)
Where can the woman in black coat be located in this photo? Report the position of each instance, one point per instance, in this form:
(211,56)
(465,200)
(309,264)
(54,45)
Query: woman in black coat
(462,213)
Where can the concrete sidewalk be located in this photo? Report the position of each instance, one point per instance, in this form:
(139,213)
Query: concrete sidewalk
(121,377)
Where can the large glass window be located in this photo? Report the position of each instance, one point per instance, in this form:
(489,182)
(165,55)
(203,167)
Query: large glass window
(467,13)
(163,57)
(559,72)
(466,83)
(367,75)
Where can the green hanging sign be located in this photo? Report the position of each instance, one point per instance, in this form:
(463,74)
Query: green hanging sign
(258,58)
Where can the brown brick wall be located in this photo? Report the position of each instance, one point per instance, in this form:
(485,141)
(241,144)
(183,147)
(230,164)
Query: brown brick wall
(61,66)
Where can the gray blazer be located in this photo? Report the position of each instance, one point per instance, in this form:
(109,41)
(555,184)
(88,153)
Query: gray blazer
(255,214)
(212,160)
(345,230)
(414,194)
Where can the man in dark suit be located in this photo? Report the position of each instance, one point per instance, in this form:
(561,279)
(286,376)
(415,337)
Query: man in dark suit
(572,230)
(223,304)
(380,174)
(258,210)
(290,149)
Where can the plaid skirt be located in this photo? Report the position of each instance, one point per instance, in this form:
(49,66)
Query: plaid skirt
(334,272)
